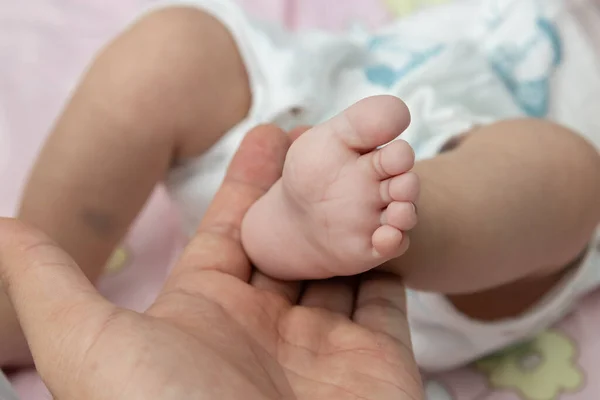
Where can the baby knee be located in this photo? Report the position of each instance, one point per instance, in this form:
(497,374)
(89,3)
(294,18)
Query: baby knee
(566,166)
(174,45)
(175,24)
(174,61)
(577,167)
(581,158)
(545,142)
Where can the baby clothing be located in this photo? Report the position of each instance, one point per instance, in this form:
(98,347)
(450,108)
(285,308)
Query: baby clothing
(6,391)
(469,63)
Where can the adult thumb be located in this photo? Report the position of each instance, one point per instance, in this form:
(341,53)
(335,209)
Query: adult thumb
(52,298)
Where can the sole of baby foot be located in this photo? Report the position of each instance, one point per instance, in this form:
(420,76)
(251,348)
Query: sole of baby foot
(345,200)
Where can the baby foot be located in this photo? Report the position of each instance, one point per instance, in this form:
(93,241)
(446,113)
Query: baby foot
(343,202)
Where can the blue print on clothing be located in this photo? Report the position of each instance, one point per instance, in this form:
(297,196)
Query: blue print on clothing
(387,74)
(526,68)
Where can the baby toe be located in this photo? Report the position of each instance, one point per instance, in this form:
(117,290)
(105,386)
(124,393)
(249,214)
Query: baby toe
(389,242)
(403,187)
(394,159)
(400,215)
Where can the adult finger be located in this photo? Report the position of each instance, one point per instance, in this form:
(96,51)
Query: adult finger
(335,295)
(381,305)
(51,296)
(288,290)
(298,131)
(216,245)
(381,308)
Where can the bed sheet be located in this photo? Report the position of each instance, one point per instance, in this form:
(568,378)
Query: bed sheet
(44,47)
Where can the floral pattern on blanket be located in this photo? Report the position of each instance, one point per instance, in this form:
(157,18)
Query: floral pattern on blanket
(558,364)
(404,7)
(540,369)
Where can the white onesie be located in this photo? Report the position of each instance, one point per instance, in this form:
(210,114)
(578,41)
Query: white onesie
(471,62)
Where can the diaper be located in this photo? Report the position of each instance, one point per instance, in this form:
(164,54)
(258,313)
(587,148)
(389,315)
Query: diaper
(457,66)
(444,338)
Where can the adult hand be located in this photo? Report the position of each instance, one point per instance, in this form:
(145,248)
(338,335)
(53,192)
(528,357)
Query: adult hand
(217,330)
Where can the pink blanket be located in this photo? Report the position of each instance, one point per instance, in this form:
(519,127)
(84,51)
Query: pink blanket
(44,47)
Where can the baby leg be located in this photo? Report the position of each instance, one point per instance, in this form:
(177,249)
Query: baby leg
(167,88)
(502,216)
